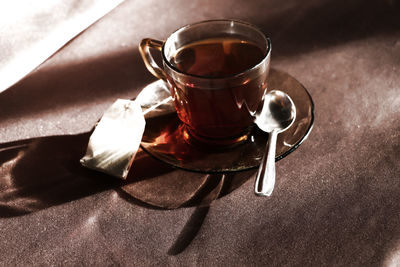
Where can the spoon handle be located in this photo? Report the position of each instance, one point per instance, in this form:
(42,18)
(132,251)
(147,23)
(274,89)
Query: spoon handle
(265,180)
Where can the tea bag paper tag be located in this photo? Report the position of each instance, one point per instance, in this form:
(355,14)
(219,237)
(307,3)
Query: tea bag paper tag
(116,139)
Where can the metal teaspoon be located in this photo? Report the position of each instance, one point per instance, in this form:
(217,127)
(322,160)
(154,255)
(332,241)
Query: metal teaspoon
(277,115)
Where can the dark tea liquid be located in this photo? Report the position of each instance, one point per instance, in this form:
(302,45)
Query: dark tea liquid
(223,113)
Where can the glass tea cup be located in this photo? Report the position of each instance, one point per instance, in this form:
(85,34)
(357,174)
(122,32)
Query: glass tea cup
(217,73)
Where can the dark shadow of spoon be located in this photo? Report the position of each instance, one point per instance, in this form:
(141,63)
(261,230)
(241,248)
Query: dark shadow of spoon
(196,220)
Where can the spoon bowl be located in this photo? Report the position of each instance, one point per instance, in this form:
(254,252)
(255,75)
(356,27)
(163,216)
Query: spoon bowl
(277,115)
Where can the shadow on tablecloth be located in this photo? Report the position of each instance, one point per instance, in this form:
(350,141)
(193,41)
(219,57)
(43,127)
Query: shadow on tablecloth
(43,172)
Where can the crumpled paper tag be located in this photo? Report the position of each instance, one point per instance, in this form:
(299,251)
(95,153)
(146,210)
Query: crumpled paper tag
(116,139)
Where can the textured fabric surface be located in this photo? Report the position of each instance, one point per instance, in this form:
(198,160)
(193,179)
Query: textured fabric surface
(337,197)
(31,31)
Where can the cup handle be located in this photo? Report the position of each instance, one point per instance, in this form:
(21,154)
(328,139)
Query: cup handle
(151,65)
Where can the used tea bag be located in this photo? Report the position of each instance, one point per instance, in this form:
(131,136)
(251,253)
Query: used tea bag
(116,139)
(155,100)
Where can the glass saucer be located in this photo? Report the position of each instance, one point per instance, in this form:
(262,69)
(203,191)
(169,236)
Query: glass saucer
(164,135)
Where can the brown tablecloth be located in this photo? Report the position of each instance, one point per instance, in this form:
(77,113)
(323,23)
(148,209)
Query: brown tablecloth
(337,197)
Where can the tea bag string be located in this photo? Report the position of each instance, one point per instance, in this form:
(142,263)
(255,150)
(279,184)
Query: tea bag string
(164,101)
